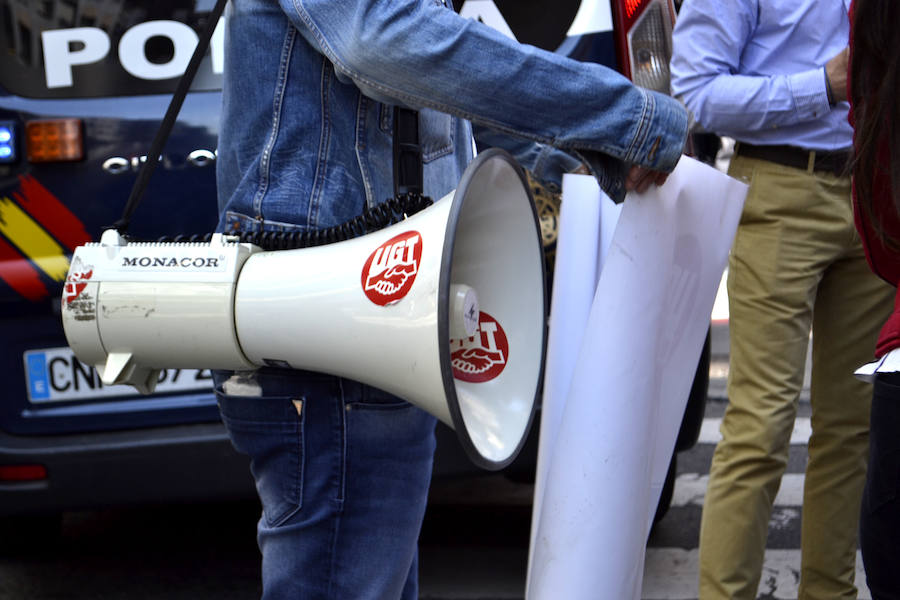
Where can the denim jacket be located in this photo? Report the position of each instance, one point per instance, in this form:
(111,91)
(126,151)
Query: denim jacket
(309,89)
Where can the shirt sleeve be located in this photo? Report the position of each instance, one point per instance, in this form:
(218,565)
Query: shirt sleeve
(418,53)
(709,39)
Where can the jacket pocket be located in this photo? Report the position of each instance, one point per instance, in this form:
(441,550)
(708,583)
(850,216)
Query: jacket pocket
(436,129)
(435,134)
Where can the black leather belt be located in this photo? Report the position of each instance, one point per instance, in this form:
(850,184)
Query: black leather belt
(836,163)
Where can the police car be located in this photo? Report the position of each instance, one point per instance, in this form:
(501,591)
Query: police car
(83,87)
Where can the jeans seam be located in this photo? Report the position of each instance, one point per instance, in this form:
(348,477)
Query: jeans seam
(540,162)
(386,118)
(360,146)
(332,566)
(342,490)
(315,194)
(277,103)
(339,407)
(301,447)
(643,126)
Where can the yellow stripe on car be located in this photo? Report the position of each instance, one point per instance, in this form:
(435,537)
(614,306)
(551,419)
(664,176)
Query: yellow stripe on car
(32,240)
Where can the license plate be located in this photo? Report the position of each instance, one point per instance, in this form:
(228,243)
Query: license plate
(55,375)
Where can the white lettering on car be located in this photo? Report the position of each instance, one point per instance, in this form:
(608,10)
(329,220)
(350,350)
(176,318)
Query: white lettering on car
(60,57)
(67,48)
(134,58)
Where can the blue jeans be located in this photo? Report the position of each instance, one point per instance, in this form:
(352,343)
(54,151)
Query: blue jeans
(342,470)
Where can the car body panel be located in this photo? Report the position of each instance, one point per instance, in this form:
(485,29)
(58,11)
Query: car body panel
(103,447)
(100,446)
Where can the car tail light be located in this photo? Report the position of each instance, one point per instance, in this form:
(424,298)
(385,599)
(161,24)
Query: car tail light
(644,41)
(54,140)
(23,472)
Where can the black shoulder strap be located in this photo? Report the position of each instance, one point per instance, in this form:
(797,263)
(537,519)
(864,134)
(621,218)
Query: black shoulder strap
(184,84)
(408,172)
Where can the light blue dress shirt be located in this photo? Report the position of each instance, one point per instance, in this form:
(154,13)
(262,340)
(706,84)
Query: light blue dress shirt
(754,69)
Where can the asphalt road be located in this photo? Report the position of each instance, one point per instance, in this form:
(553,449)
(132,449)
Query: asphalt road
(208,552)
(474,546)
(474,542)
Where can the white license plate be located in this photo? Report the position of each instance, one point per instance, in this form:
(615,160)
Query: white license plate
(55,375)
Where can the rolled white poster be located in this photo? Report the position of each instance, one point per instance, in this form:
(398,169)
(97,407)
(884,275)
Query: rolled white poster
(586,215)
(639,352)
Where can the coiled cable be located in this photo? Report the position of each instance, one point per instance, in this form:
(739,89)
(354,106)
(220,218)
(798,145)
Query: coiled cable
(378,217)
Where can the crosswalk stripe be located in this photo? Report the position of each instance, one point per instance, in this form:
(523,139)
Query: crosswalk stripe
(671,574)
(709,431)
(690,489)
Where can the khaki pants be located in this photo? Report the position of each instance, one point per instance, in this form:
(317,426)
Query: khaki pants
(796,263)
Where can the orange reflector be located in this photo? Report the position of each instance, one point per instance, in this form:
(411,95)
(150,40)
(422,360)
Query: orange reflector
(54,140)
(631,7)
(22,472)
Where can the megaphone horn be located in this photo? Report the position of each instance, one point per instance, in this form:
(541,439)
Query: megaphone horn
(446,309)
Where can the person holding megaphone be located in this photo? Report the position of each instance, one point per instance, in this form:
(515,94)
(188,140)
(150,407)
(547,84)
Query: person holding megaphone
(306,143)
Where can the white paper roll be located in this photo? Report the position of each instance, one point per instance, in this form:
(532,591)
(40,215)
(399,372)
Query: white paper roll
(632,375)
(574,281)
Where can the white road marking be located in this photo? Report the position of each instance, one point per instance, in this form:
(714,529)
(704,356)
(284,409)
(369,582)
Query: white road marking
(720,305)
(709,431)
(690,490)
(671,574)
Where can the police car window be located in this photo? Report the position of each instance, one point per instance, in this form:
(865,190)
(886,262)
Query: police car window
(100,48)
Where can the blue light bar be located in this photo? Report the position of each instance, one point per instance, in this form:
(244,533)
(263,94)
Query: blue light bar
(8,142)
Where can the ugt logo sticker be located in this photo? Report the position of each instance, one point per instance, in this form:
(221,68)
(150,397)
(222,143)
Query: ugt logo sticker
(76,281)
(483,356)
(390,271)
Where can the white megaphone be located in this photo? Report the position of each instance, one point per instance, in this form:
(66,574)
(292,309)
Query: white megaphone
(446,309)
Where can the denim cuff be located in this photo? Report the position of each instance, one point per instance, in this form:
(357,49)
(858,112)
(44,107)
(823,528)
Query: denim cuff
(658,145)
(663,132)
(608,171)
